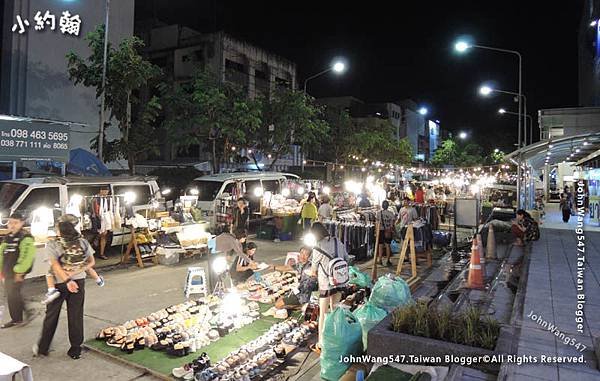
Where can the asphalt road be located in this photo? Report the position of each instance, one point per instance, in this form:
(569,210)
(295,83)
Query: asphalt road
(129,293)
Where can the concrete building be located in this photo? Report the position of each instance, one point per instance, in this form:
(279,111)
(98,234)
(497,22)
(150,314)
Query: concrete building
(180,51)
(571,121)
(33,69)
(589,54)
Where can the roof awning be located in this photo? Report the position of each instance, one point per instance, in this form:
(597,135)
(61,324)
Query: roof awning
(557,150)
(590,157)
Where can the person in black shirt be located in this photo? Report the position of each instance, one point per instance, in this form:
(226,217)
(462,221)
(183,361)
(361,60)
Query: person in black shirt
(241,268)
(240,215)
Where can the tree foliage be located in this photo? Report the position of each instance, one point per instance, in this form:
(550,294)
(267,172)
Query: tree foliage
(289,117)
(456,154)
(211,111)
(374,139)
(130,80)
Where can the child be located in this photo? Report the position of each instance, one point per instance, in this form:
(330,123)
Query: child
(73,261)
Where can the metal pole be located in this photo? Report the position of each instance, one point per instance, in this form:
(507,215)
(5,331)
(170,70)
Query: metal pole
(103,96)
(519,137)
(14,170)
(315,76)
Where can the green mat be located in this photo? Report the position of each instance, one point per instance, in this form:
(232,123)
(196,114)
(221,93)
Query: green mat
(385,373)
(161,362)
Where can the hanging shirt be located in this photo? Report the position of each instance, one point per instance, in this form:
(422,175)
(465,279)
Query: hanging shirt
(419,196)
(407,215)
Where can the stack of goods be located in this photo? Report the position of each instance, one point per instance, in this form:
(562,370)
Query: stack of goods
(282,206)
(258,356)
(181,329)
(269,287)
(191,370)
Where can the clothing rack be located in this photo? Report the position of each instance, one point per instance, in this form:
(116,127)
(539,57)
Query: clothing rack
(358,237)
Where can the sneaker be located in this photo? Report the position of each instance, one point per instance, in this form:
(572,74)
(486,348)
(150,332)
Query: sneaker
(51,296)
(100,281)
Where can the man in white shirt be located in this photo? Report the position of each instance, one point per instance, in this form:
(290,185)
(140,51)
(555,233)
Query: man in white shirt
(325,210)
(408,214)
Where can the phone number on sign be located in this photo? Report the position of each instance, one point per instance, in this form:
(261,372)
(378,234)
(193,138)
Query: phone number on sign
(25,144)
(18,133)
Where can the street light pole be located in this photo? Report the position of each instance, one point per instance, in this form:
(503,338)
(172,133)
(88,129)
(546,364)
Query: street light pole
(462,46)
(338,67)
(103,95)
(315,76)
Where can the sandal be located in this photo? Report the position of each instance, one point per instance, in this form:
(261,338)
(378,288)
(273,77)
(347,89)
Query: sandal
(315,348)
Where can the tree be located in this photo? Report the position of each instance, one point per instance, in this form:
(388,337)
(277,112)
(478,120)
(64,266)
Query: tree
(453,153)
(289,117)
(340,139)
(375,140)
(211,111)
(129,81)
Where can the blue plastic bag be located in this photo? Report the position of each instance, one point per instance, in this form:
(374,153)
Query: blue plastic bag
(395,246)
(390,292)
(342,336)
(369,315)
(359,278)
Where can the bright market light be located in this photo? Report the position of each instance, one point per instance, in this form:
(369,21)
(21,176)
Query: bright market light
(219,265)
(258,192)
(233,148)
(594,23)
(326,190)
(232,303)
(129,197)
(310,240)
(286,192)
(363,169)
(370,179)
(76,199)
(300,191)
(353,186)
(339,67)
(496,150)
(194,192)
(166,191)
(485,90)
(461,46)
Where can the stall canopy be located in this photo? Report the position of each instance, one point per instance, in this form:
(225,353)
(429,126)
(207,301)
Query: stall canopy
(85,163)
(567,148)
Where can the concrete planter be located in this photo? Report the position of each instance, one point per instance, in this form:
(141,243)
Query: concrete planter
(383,341)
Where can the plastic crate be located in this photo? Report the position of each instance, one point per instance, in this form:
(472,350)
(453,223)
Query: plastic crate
(286,236)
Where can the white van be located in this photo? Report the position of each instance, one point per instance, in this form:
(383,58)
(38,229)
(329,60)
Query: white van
(26,195)
(250,185)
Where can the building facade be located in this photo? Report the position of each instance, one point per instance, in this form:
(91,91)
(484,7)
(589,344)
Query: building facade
(34,81)
(181,51)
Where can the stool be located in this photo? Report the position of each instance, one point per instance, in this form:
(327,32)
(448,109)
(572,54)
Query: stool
(292,256)
(195,282)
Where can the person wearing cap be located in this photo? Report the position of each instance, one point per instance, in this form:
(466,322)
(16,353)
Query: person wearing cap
(242,268)
(17,253)
(70,257)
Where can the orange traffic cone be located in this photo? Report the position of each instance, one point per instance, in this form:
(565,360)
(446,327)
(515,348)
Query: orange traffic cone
(491,243)
(481,254)
(475,279)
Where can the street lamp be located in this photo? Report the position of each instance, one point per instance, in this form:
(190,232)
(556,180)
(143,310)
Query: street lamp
(423,111)
(103,98)
(594,23)
(462,135)
(338,67)
(487,90)
(462,47)
(503,111)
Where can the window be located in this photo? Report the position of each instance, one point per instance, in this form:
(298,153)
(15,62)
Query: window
(207,190)
(232,65)
(229,188)
(9,193)
(46,197)
(271,186)
(85,190)
(142,192)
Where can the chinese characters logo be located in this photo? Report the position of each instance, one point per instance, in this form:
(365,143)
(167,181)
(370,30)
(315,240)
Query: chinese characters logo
(68,24)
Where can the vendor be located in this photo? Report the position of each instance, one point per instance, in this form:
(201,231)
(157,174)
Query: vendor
(243,267)
(240,215)
(229,243)
(306,283)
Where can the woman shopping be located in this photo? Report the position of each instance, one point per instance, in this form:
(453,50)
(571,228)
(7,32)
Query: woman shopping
(70,257)
(309,212)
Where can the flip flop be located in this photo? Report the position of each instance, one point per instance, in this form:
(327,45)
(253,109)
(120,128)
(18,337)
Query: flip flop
(315,349)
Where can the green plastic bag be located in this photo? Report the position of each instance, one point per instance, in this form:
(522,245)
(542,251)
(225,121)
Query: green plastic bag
(390,292)
(369,315)
(359,278)
(342,336)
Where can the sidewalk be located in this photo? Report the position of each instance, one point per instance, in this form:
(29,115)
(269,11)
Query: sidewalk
(551,295)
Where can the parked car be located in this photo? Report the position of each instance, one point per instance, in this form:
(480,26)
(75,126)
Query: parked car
(26,195)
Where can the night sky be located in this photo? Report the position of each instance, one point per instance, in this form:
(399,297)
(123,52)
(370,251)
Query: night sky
(402,49)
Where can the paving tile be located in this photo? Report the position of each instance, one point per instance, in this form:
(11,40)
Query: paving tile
(565,374)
